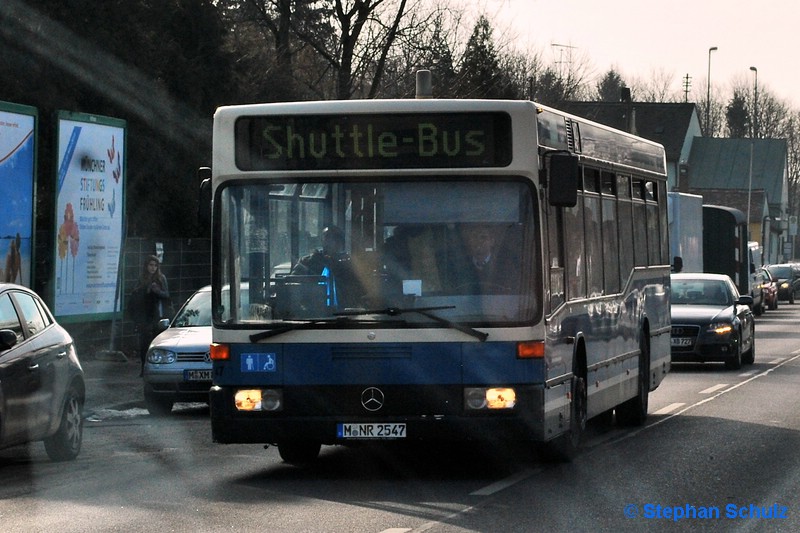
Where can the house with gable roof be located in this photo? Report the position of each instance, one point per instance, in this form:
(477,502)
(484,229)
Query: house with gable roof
(716,168)
(750,175)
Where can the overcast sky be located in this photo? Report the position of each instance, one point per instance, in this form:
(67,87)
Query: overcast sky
(641,37)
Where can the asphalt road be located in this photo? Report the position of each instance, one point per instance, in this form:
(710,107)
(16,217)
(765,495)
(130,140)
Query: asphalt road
(112,382)
(716,441)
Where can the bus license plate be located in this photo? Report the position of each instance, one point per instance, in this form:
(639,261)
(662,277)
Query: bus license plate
(371,431)
(682,341)
(197,375)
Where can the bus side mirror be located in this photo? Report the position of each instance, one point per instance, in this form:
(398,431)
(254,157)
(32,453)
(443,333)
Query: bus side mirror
(204,198)
(564,180)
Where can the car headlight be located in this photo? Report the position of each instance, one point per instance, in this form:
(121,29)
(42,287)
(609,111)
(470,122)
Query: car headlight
(720,328)
(784,285)
(159,356)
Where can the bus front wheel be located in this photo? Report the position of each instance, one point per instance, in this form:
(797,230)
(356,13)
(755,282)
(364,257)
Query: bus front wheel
(299,453)
(566,446)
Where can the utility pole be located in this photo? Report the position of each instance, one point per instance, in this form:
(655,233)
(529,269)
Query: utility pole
(687,84)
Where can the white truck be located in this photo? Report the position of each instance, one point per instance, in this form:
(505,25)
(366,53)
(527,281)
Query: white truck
(685,216)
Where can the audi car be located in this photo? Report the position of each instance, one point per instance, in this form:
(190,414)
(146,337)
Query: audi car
(177,367)
(42,388)
(711,321)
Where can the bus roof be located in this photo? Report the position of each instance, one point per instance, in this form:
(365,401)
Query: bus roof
(557,130)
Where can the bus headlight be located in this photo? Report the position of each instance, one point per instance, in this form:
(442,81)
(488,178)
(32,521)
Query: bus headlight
(258,400)
(477,398)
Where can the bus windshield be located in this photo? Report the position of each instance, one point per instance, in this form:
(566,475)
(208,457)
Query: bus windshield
(468,248)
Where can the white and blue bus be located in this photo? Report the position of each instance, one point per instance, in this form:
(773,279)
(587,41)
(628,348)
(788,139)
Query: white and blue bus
(397,331)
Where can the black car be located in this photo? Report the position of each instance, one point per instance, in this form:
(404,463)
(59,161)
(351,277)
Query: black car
(788,276)
(711,322)
(42,388)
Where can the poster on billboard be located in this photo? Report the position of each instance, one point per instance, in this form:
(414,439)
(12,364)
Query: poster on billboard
(18,125)
(90,185)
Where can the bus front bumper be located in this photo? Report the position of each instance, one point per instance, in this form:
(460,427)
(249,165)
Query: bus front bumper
(523,423)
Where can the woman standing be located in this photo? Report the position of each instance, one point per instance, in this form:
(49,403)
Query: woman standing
(149,302)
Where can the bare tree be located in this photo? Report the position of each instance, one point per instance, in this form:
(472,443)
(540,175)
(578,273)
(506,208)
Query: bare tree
(658,87)
(716,112)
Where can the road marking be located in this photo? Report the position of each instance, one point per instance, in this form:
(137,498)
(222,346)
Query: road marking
(715,388)
(668,409)
(397,530)
(777,361)
(749,373)
(647,427)
(505,483)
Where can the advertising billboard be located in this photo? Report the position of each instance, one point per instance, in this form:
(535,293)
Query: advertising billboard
(90,185)
(18,126)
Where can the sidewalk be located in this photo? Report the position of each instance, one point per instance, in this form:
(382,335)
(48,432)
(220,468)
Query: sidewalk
(112,381)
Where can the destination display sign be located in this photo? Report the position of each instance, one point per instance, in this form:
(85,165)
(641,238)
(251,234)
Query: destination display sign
(373,141)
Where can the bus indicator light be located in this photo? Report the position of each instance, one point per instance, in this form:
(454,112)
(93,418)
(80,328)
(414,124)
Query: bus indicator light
(220,352)
(530,350)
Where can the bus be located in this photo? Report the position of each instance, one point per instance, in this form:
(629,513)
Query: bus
(394,333)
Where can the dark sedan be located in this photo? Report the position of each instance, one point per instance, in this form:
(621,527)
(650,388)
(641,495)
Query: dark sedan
(711,322)
(42,389)
(788,276)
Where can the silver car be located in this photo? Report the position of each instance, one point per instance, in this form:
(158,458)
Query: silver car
(178,367)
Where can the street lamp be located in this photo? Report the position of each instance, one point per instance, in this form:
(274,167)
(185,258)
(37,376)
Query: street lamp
(755,102)
(752,147)
(708,93)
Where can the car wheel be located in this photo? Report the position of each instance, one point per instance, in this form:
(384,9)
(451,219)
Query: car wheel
(735,361)
(749,356)
(65,444)
(157,405)
(299,453)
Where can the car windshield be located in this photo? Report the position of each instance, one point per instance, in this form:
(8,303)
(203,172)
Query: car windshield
(195,312)
(781,272)
(700,292)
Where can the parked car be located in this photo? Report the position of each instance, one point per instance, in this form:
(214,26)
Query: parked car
(42,388)
(788,276)
(769,287)
(757,293)
(711,322)
(177,367)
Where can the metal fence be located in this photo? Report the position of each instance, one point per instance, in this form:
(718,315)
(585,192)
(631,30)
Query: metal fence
(185,262)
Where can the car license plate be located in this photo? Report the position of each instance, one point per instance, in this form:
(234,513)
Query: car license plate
(682,341)
(371,431)
(197,375)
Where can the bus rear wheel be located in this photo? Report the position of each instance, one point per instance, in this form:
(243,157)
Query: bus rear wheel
(299,453)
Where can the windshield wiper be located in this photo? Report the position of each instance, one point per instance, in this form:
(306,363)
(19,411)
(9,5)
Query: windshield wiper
(292,326)
(424,311)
